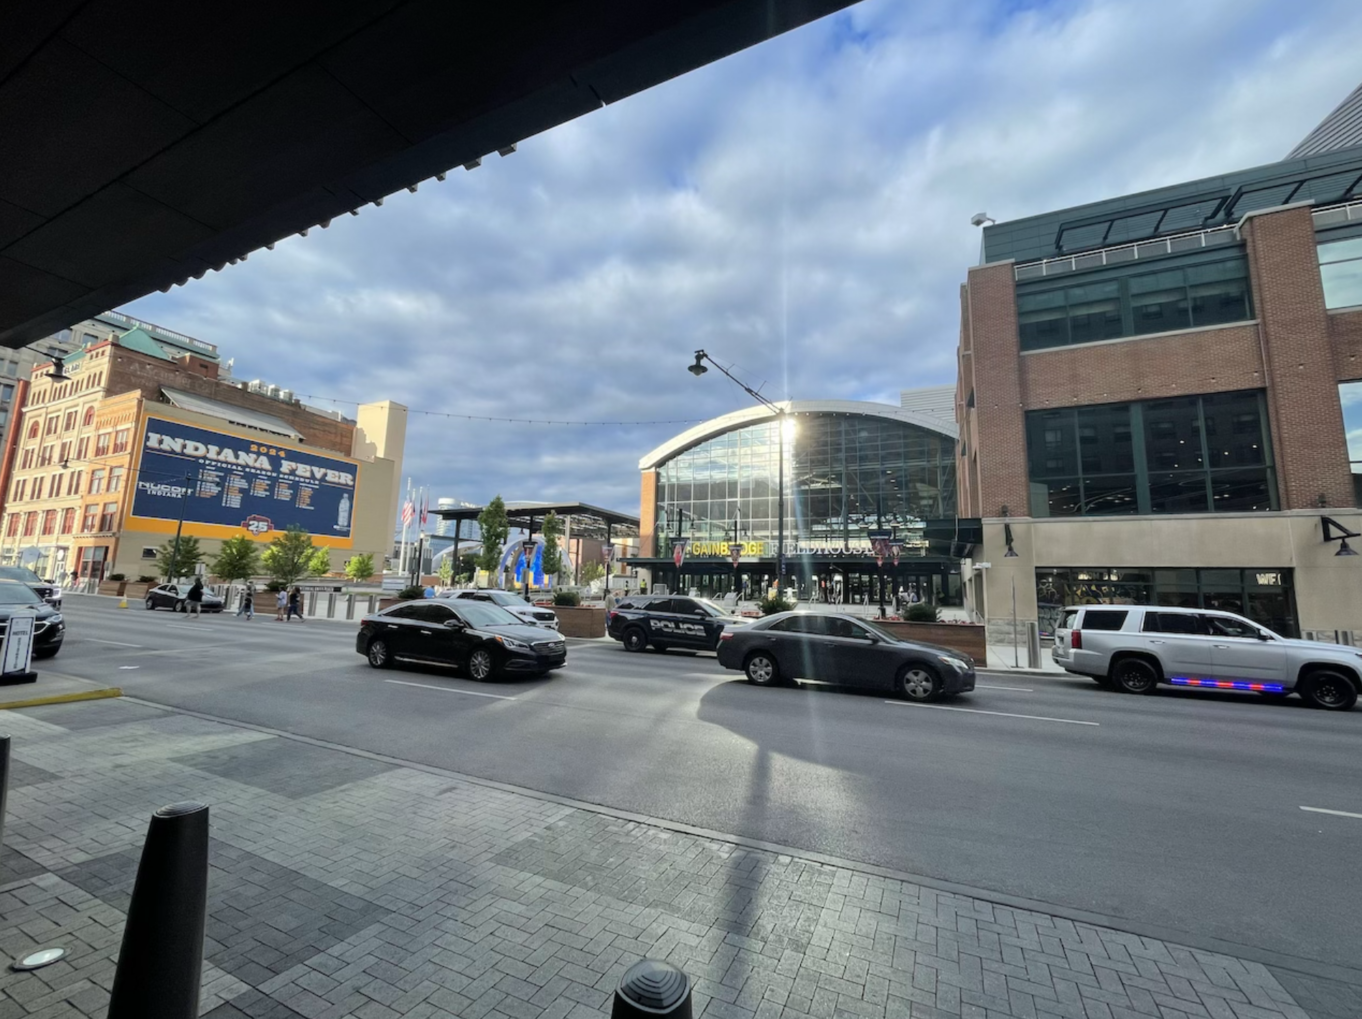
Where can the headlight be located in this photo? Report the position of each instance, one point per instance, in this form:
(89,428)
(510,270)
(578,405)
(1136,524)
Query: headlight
(512,643)
(56,593)
(954,663)
(54,618)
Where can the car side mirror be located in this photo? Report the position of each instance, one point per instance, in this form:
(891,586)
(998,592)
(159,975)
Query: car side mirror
(455,624)
(1264,635)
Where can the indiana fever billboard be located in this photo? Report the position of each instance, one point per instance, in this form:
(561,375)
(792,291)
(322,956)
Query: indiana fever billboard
(226,482)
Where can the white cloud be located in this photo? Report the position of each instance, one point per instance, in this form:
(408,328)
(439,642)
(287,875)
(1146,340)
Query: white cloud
(800,209)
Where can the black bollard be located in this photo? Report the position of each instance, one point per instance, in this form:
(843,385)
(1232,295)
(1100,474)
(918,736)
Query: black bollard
(652,988)
(160,962)
(4,786)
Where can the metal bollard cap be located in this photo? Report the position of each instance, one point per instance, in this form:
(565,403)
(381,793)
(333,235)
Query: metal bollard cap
(655,987)
(180,809)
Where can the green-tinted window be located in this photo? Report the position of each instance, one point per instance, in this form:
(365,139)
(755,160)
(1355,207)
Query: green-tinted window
(1139,303)
(1340,270)
(1192,454)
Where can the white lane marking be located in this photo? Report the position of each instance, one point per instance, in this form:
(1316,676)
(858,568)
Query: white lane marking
(1016,689)
(1003,714)
(119,643)
(1336,813)
(450,689)
(130,666)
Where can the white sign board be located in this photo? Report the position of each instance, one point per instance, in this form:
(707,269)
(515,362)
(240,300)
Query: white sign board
(18,647)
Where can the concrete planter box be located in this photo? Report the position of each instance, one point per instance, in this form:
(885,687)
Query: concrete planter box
(580,620)
(966,637)
(383,603)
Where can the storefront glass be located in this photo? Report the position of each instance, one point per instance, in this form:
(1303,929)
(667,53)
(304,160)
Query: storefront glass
(1266,596)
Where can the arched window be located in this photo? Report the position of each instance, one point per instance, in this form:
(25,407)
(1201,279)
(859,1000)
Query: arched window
(89,417)
(33,430)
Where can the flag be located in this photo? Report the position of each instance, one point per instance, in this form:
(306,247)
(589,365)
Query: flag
(408,511)
(425,508)
(679,551)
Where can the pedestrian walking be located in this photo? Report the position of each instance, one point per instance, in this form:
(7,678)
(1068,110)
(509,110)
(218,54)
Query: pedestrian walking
(280,603)
(295,603)
(194,600)
(247,606)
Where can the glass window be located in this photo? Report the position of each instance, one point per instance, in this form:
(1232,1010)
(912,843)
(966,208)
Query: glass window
(1350,397)
(68,520)
(1174,622)
(106,519)
(90,518)
(1226,626)
(1205,293)
(96,481)
(1103,619)
(116,478)
(1340,270)
(1195,454)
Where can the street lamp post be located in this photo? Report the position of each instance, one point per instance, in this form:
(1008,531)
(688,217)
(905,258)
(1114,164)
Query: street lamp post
(179,527)
(697,369)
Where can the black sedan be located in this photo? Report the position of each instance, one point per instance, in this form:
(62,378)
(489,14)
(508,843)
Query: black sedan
(839,649)
(49,629)
(478,637)
(174,596)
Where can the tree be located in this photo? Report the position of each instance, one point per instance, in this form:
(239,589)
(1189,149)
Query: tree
(319,563)
(360,567)
(446,571)
(182,562)
(237,559)
(495,529)
(552,561)
(468,564)
(289,556)
(591,572)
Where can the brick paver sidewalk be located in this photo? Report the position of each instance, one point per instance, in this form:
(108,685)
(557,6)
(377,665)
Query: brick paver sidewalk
(347,886)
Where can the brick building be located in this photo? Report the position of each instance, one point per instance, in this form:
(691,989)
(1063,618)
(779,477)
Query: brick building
(77,457)
(1152,397)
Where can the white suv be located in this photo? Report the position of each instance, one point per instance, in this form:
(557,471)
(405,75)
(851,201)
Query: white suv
(1134,648)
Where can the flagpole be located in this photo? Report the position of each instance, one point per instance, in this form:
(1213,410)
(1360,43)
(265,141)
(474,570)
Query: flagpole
(402,554)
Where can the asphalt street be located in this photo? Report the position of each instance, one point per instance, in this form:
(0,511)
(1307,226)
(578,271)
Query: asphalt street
(1183,809)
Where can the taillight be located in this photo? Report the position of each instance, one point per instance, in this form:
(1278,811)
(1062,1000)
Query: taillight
(726,635)
(1076,640)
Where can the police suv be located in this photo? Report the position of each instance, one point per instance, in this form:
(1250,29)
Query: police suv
(664,620)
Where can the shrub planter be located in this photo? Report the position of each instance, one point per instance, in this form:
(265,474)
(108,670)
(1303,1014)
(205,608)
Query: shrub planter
(112,587)
(580,620)
(134,591)
(966,637)
(383,603)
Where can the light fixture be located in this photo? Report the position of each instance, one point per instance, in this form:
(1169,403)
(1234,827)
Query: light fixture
(1329,526)
(37,959)
(57,374)
(980,218)
(698,368)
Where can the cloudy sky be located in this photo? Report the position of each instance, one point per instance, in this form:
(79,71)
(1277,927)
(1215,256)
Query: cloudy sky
(801,210)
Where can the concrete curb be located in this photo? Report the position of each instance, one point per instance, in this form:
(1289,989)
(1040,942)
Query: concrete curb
(63,698)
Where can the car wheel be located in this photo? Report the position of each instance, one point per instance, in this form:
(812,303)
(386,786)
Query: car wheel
(761,670)
(151,604)
(635,639)
(1330,690)
(480,664)
(1135,675)
(179,607)
(379,656)
(919,683)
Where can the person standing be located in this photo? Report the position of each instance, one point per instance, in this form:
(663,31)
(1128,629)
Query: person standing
(247,606)
(280,603)
(295,603)
(194,600)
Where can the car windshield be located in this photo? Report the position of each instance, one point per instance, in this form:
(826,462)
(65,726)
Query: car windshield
(507,599)
(20,573)
(18,594)
(709,607)
(480,613)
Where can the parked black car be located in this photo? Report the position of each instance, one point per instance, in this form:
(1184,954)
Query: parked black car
(664,621)
(49,629)
(44,589)
(173,596)
(840,649)
(478,637)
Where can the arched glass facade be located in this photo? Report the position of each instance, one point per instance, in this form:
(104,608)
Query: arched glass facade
(845,475)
